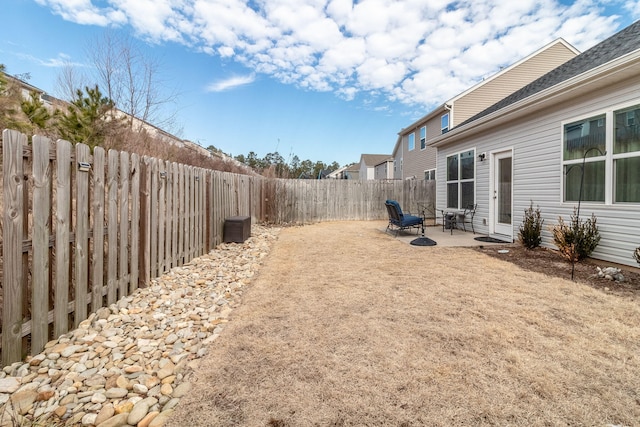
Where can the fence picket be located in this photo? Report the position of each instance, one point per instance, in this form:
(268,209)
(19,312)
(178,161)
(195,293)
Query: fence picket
(145,225)
(112,227)
(123,245)
(135,222)
(97,259)
(12,166)
(41,232)
(168,215)
(82,236)
(161,217)
(63,234)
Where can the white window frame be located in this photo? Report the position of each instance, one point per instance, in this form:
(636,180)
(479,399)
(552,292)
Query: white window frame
(458,180)
(411,142)
(445,129)
(609,157)
(423,139)
(431,173)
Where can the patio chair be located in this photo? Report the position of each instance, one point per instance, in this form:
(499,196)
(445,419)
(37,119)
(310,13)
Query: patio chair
(399,220)
(467,216)
(449,220)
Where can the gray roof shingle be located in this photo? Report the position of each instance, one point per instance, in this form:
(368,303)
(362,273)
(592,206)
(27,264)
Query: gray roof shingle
(621,43)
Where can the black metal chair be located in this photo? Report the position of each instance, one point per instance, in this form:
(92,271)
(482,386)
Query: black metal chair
(467,216)
(449,220)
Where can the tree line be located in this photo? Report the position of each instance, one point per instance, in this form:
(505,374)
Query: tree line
(274,164)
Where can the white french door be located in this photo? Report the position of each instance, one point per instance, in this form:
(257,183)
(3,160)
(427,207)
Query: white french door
(502,179)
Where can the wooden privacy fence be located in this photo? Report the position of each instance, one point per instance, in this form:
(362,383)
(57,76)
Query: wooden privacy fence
(80,230)
(303,201)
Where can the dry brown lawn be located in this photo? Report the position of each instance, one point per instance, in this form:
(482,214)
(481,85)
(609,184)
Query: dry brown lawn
(346,325)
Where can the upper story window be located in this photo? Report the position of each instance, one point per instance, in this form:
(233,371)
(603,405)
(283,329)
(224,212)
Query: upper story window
(423,137)
(411,141)
(461,183)
(444,123)
(611,143)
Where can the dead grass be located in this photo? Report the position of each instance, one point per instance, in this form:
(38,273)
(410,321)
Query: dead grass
(347,326)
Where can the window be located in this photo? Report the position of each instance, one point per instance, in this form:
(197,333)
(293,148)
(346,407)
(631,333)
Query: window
(585,137)
(411,141)
(611,143)
(423,137)
(461,179)
(626,155)
(444,123)
(430,175)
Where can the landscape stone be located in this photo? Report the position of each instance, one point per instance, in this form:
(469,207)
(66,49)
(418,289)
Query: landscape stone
(135,357)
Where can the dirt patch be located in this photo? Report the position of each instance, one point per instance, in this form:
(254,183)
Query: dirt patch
(345,325)
(549,262)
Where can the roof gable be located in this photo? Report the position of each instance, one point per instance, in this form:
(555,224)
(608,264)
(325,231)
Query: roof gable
(374,159)
(620,44)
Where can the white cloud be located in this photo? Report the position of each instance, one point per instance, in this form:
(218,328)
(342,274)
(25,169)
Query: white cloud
(230,83)
(84,12)
(413,51)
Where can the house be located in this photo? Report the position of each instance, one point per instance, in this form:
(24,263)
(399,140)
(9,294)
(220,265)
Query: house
(534,146)
(384,169)
(368,163)
(345,172)
(413,157)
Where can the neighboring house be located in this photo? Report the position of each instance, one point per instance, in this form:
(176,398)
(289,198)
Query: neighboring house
(530,147)
(352,172)
(384,169)
(337,174)
(412,154)
(345,172)
(368,164)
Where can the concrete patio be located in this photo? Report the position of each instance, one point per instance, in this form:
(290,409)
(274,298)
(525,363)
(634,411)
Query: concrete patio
(442,238)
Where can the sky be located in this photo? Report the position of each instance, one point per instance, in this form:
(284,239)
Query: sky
(325,80)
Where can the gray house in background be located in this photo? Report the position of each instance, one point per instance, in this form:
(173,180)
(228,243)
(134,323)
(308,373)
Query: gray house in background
(368,163)
(530,147)
(384,169)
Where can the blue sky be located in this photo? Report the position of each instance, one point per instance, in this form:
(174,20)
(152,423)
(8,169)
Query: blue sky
(325,80)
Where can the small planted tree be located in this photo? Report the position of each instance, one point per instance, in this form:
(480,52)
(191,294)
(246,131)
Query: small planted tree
(576,240)
(531,228)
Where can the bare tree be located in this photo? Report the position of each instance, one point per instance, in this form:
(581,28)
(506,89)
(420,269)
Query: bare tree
(131,79)
(68,81)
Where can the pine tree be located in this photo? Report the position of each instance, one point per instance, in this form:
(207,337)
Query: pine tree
(87,120)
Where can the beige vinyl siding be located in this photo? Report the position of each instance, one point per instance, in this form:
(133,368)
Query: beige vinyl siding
(536,143)
(417,161)
(493,91)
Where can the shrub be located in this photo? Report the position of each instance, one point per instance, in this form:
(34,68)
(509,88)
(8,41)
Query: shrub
(578,239)
(531,228)
(636,255)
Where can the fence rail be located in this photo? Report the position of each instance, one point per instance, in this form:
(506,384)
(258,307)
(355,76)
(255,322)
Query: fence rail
(80,230)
